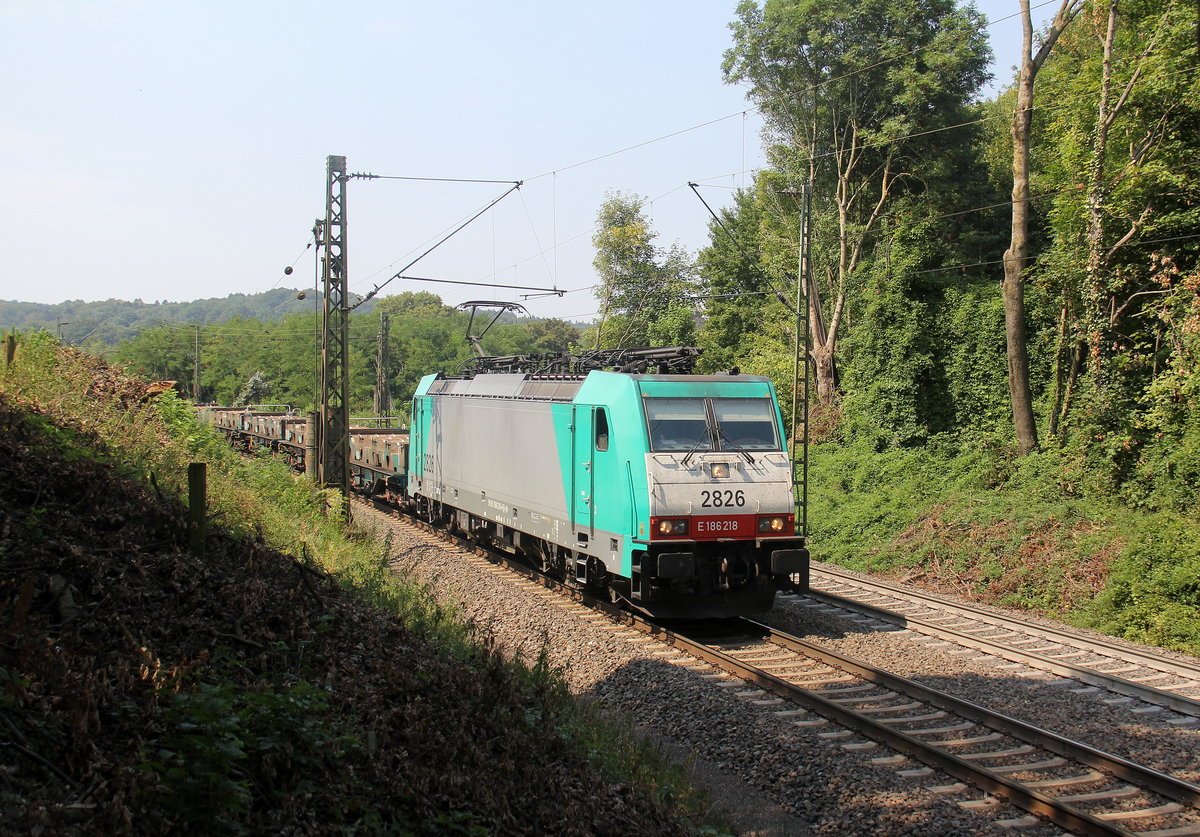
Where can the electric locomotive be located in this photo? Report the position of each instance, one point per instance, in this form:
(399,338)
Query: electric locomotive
(673,491)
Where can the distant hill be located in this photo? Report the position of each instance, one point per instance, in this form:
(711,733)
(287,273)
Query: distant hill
(101,324)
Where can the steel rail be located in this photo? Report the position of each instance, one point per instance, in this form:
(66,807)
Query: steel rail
(1148,659)
(1028,799)
(1162,783)
(1094,677)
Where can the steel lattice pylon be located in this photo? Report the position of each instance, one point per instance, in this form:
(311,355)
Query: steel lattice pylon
(800,385)
(334,459)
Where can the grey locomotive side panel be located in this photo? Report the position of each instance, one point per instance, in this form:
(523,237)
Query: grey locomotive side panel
(498,459)
(500,451)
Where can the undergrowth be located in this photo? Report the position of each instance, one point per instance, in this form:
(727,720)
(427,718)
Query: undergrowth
(976,520)
(245,732)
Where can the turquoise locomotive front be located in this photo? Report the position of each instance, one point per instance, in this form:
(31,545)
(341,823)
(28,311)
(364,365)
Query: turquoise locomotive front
(674,491)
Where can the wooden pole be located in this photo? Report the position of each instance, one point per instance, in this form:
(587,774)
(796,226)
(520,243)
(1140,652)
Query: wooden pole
(197,506)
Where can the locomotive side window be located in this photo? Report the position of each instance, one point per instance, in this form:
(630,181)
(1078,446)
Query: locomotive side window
(677,424)
(746,423)
(601,429)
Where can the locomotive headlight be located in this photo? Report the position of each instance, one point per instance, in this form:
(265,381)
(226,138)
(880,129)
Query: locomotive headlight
(719,470)
(673,527)
(772,525)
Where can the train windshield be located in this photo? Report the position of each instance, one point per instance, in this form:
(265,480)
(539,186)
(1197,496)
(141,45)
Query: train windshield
(701,424)
(746,423)
(678,424)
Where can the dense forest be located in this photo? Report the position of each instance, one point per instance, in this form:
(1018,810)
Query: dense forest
(1002,297)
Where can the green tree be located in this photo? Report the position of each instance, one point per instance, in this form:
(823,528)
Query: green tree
(295,359)
(646,293)
(415,303)
(421,345)
(163,352)
(736,286)
(855,96)
(231,353)
(553,335)
(256,391)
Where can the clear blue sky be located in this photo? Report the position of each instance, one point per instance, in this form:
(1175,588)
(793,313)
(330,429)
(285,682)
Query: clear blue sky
(174,151)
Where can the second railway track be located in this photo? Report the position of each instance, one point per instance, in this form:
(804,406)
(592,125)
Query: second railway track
(1069,783)
(1131,672)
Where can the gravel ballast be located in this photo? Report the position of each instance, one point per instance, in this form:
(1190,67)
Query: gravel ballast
(773,774)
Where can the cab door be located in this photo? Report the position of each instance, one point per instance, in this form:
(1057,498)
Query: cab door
(583,475)
(416,450)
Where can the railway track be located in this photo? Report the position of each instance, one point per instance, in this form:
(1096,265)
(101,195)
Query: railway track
(1134,674)
(1071,784)
(931,733)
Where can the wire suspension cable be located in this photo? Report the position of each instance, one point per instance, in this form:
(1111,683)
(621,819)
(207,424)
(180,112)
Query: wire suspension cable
(555,172)
(636,146)
(749,262)
(369,176)
(554,291)
(443,240)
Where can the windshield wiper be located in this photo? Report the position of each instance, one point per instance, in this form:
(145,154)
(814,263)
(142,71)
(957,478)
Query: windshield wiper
(707,431)
(729,445)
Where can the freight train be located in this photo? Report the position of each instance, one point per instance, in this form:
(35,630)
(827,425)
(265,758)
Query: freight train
(617,470)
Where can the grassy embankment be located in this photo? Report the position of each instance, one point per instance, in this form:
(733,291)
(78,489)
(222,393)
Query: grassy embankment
(284,681)
(1024,533)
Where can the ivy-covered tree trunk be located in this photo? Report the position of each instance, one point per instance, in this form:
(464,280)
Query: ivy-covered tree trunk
(1096,184)
(824,372)
(1013,286)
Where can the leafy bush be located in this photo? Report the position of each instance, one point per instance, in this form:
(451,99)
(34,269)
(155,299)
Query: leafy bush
(1036,532)
(1153,592)
(224,748)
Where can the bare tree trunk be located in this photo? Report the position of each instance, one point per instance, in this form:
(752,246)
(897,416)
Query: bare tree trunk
(825,337)
(1015,257)
(825,372)
(1060,356)
(1019,391)
(823,349)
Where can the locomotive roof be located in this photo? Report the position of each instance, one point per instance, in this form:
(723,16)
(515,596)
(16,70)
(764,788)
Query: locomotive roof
(552,387)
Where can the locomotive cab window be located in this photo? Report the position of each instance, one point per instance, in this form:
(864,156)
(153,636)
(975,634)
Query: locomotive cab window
(601,429)
(746,423)
(678,424)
